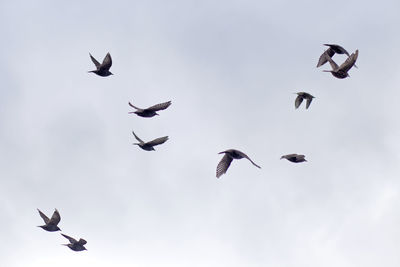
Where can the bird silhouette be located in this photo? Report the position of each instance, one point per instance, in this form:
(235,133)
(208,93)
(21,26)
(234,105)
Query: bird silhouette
(226,160)
(296,158)
(50,224)
(341,71)
(102,69)
(149,146)
(74,244)
(300,97)
(150,111)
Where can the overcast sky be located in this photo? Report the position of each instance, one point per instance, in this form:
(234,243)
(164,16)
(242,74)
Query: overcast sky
(230,69)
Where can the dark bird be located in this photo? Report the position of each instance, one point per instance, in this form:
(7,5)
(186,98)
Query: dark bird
(149,146)
(341,71)
(151,111)
(301,96)
(50,224)
(102,69)
(296,158)
(75,245)
(226,160)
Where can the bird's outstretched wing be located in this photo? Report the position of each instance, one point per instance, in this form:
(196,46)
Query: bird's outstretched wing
(247,157)
(323,58)
(158,141)
(160,106)
(130,104)
(95,61)
(107,62)
(309,99)
(137,138)
(44,217)
(288,156)
(349,63)
(71,240)
(298,101)
(55,218)
(338,49)
(223,165)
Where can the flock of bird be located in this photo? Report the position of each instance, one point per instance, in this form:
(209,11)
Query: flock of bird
(340,72)
(51,225)
(103,70)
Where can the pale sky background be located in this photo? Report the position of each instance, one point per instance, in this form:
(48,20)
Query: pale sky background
(230,69)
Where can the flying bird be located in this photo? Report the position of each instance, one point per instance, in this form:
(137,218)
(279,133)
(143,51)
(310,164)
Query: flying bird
(150,111)
(226,160)
(301,96)
(296,158)
(102,69)
(341,71)
(50,224)
(74,244)
(149,146)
